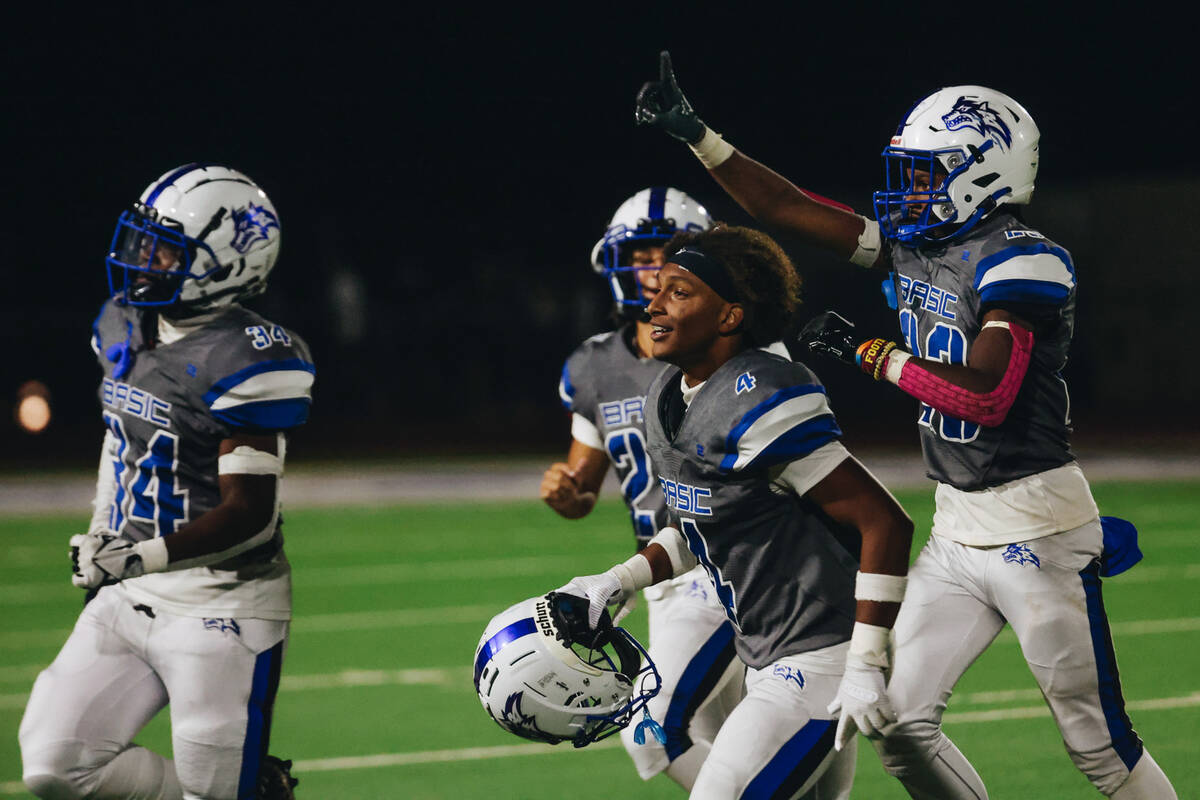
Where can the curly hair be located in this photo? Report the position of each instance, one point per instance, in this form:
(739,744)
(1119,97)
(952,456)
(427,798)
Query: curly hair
(762,273)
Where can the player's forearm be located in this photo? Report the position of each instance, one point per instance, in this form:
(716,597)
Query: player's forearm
(886,544)
(775,201)
(106,484)
(245,519)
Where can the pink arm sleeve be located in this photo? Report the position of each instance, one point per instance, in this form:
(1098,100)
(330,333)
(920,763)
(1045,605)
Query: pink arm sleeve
(987,409)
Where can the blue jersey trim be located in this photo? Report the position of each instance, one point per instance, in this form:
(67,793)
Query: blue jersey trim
(1025,290)
(791,767)
(799,441)
(753,415)
(517,630)
(658,202)
(699,678)
(271,415)
(263,686)
(225,384)
(567,388)
(1000,256)
(1125,740)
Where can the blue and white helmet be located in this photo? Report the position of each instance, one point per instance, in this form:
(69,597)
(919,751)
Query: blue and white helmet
(201,237)
(650,217)
(543,674)
(980,149)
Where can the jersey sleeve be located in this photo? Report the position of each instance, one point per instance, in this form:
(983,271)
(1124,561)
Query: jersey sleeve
(1040,273)
(268,395)
(791,423)
(575,387)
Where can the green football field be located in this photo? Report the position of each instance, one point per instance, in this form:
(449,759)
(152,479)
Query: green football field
(376,699)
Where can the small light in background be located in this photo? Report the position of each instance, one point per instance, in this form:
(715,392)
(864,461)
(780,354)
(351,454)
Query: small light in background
(33,407)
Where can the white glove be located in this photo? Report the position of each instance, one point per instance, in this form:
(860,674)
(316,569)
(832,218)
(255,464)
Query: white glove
(102,557)
(614,586)
(862,703)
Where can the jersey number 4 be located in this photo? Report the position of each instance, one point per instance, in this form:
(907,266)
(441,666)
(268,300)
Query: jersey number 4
(150,492)
(947,344)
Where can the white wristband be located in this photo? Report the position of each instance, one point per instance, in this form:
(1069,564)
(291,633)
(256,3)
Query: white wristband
(154,554)
(635,574)
(895,365)
(712,150)
(880,588)
(869,242)
(869,644)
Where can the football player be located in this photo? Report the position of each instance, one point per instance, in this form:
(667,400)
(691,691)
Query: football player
(184,553)
(987,306)
(763,496)
(604,385)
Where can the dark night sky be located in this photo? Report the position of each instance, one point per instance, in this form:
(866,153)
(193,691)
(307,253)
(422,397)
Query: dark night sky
(463,165)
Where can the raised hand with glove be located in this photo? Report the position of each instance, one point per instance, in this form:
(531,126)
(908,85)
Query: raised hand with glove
(661,104)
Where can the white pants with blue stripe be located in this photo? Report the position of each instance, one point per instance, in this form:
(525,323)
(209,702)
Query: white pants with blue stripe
(958,599)
(691,643)
(778,743)
(121,665)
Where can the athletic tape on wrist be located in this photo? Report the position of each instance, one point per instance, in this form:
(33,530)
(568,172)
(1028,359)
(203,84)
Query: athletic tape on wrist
(879,587)
(869,242)
(712,150)
(636,574)
(869,644)
(671,540)
(154,554)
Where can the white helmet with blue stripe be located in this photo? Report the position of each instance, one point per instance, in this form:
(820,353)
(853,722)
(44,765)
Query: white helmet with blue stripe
(958,155)
(543,674)
(648,218)
(201,237)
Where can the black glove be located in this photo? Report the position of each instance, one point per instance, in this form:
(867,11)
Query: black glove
(831,334)
(661,104)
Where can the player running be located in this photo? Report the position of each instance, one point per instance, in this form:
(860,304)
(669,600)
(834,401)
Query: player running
(604,385)
(764,497)
(197,396)
(987,307)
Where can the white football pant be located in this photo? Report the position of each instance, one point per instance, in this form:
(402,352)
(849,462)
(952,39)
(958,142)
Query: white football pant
(122,663)
(778,742)
(958,600)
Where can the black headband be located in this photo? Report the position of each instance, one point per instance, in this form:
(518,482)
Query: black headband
(709,270)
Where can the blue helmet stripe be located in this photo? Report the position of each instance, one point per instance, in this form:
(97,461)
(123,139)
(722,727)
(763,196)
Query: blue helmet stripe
(518,629)
(170,179)
(658,202)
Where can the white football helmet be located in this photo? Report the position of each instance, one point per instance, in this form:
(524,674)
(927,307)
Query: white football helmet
(542,674)
(958,155)
(200,237)
(650,217)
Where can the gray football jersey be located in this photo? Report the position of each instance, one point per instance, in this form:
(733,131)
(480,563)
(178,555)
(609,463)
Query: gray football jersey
(783,571)
(170,406)
(942,294)
(605,382)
